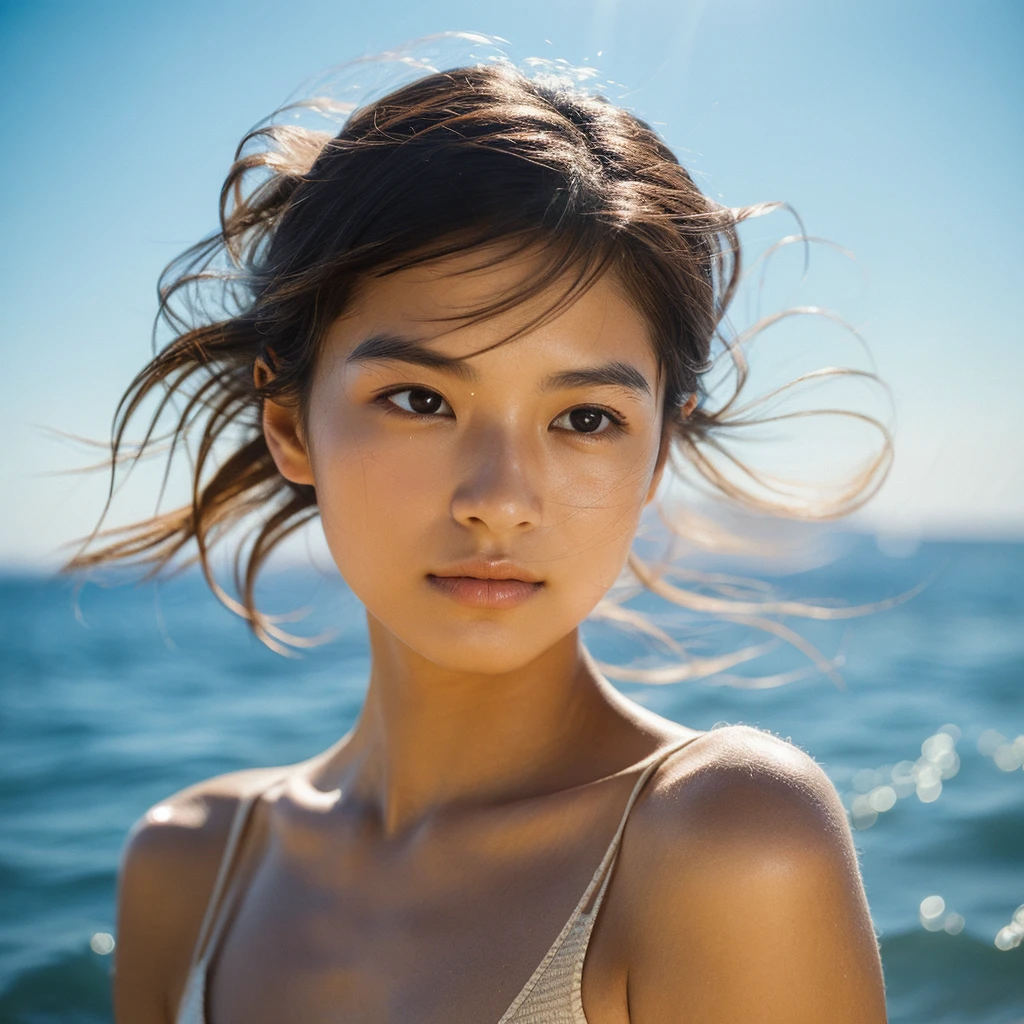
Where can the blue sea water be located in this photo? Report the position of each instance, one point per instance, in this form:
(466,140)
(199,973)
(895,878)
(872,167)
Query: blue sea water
(114,697)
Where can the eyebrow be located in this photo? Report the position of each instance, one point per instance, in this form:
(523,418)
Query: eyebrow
(387,346)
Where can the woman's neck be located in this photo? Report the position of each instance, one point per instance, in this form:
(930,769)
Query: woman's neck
(429,738)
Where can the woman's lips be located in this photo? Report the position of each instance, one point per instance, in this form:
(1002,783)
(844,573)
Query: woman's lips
(478,593)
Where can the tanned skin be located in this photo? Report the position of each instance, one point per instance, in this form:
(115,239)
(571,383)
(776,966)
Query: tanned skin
(418,870)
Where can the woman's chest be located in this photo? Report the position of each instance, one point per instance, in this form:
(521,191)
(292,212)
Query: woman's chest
(449,932)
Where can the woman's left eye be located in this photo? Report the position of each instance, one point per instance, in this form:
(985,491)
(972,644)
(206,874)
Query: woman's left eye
(587,419)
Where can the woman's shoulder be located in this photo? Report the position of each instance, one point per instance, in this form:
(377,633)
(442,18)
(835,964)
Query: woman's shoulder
(739,775)
(180,840)
(198,817)
(169,865)
(747,874)
(736,793)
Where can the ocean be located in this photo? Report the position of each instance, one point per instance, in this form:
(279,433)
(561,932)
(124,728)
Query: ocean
(113,697)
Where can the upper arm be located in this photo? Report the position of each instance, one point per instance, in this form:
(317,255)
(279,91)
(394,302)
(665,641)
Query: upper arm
(754,907)
(168,866)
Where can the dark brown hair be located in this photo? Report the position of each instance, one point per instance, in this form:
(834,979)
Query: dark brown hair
(449,163)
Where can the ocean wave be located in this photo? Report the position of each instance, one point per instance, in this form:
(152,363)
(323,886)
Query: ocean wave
(935,978)
(73,988)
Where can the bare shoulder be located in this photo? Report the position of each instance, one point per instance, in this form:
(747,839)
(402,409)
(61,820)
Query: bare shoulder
(743,786)
(195,820)
(752,901)
(169,864)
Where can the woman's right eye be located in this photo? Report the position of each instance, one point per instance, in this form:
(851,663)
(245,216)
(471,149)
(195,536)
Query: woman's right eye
(418,401)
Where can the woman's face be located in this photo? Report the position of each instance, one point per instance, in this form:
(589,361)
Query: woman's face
(533,460)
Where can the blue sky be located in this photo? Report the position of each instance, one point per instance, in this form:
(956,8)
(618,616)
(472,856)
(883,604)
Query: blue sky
(895,129)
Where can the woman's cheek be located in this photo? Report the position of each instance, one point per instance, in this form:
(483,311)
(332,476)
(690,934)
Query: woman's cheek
(375,499)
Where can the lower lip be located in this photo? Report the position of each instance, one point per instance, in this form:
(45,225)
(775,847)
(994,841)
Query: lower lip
(479,593)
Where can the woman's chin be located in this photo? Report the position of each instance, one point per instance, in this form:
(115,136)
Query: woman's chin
(469,647)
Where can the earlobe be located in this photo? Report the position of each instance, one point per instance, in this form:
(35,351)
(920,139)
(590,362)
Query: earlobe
(284,439)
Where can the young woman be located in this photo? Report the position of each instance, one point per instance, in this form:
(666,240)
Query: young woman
(467,332)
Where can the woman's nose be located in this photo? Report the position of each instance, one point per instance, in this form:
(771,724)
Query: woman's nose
(497,492)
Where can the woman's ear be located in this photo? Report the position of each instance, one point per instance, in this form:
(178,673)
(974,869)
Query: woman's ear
(283,434)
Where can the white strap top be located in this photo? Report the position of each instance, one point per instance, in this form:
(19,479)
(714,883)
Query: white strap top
(552,995)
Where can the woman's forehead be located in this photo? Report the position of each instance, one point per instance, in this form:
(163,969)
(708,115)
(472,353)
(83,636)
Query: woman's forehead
(444,305)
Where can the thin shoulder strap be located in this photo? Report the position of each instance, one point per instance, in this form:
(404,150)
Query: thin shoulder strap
(603,873)
(216,901)
(600,878)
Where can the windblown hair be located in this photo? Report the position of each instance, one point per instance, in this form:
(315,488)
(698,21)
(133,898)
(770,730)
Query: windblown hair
(452,162)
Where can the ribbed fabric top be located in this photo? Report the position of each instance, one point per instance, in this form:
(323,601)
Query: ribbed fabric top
(551,996)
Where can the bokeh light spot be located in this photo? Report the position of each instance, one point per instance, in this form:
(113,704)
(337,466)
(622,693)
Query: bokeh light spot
(1007,757)
(882,798)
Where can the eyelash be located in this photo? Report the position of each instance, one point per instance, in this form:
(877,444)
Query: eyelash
(617,421)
